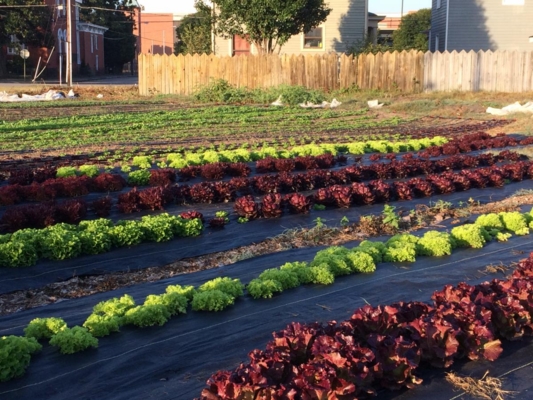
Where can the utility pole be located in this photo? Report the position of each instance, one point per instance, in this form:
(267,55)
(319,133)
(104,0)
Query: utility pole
(401,18)
(68,77)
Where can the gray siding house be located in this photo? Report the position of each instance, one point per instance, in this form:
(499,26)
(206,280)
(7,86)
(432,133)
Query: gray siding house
(347,24)
(481,25)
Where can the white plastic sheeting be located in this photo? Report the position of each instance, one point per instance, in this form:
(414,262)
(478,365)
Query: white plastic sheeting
(374,104)
(48,96)
(512,108)
(334,104)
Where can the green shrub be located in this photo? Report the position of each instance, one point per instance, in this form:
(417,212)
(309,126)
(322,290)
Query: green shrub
(147,315)
(360,262)
(44,328)
(102,325)
(211,300)
(264,288)
(322,275)
(232,287)
(301,269)
(288,279)
(73,340)
(15,355)
(143,162)
(89,170)
(115,307)
(65,172)
(434,244)
(220,91)
(139,178)
(187,291)
(515,222)
(469,235)
(174,302)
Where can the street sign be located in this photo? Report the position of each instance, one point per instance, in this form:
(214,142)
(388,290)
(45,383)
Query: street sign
(24,53)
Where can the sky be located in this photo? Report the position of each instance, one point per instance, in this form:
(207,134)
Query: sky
(375,6)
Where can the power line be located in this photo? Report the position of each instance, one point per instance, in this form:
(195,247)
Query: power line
(26,6)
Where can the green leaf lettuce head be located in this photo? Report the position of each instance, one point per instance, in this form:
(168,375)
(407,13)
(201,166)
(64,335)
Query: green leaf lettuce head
(15,355)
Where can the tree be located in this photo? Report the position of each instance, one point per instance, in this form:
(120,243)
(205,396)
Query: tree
(30,25)
(268,23)
(119,41)
(194,32)
(412,33)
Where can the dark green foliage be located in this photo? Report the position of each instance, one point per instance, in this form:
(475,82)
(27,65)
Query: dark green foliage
(119,39)
(44,328)
(194,32)
(28,24)
(269,24)
(73,340)
(412,33)
(15,355)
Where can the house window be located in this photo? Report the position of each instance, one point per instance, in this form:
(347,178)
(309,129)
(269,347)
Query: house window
(92,43)
(96,63)
(13,49)
(314,39)
(439,3)
(437,43)
(96,42)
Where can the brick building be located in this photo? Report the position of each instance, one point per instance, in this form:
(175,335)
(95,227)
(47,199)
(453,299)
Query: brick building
(87,44)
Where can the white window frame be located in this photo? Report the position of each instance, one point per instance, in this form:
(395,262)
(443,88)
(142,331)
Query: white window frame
(13,49)
(323,48)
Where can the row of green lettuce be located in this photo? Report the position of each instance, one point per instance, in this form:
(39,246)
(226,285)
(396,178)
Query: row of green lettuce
(63,241)
(217,294)
(178,160)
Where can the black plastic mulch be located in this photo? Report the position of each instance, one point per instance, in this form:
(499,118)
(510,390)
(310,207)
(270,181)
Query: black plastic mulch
(211,241)
(174,361)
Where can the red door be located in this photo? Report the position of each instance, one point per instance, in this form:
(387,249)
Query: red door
(241,47)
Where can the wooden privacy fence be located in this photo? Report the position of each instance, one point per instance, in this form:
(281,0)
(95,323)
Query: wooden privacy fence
(184,74)
(403,71)
(499,71)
